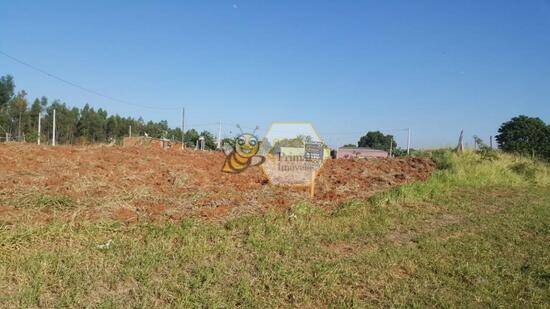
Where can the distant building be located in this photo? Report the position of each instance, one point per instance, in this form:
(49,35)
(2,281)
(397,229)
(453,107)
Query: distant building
(360,152)
(297,152)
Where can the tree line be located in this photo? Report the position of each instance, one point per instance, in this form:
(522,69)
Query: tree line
(19,121)
(523,135)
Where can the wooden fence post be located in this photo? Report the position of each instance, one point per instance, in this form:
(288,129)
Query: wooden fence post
(312,185)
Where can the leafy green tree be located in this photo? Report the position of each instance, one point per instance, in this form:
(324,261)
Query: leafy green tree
(190,137)
(209,140)
(31,126)
(71,124)
(349,145)
(157,129)
(7,90)
(92,125)
(175,134)
(525,135)
(34,112)
(100,124)
(377,140)
(112,126)
(85,124)
(228,141)
(66,121)
(18,107)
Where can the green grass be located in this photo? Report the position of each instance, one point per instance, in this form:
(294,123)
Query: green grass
(470,170)
(475,234)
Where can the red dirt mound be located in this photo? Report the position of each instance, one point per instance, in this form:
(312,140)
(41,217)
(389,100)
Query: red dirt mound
(359,178)
(140,183)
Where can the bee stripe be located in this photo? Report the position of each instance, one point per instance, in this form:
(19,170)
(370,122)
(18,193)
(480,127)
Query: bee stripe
(238,163)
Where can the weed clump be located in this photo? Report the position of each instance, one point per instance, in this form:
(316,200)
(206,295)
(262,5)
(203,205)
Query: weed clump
(301,209)
(488,154)
(471,169)
(443,159)
(54,202)
(528,170)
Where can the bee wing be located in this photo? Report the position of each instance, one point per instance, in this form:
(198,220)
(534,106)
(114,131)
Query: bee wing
(227,149)
(257,160)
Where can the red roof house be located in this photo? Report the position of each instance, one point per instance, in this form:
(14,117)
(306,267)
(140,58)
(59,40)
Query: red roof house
(360,152)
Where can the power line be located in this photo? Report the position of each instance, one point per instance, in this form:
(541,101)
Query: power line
(97,93)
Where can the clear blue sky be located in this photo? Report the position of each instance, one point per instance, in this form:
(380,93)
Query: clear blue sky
(346,66)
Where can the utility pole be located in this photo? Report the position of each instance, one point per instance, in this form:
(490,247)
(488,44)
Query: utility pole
(19,128)
(53,137)
(182,126)
(219,136)
(38,140)
(391,145)
(409,141)
(130,131)
(460,147)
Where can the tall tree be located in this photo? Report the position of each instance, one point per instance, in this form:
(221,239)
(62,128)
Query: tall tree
(377,140)
(34,112)
(525,135)
(7,90)
(209,140)
(190,137)
(18,106)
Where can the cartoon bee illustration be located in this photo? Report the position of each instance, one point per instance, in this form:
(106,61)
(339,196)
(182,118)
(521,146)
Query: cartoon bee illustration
(243,154)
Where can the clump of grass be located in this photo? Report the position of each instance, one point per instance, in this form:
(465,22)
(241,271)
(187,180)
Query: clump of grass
(302,209)
(487,153)
(525,169)
(469,170)
(442,157)
(55,202)
(347,207)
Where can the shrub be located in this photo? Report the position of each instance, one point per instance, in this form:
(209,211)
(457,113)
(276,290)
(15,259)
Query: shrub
(528,136)
(526,169)
(443,159)
(31,137)
(488,154)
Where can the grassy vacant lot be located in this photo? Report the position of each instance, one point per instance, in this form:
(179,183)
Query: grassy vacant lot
(475,234)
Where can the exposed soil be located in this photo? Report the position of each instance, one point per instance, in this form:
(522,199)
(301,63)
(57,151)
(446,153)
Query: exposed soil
(358,178)
(138,183)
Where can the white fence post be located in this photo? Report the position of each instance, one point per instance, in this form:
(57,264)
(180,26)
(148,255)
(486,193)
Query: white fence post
(53,137)
(38,140)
